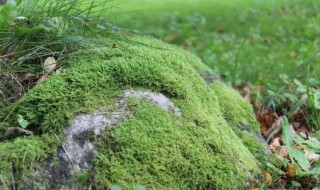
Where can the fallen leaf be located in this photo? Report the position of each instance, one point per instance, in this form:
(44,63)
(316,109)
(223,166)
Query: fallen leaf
(267,178)
(267,120)
(283,152)
(274,129)
(49,64)
(254,186)
(275,144)
(291,170)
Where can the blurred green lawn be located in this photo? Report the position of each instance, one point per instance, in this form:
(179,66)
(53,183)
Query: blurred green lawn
(258,42)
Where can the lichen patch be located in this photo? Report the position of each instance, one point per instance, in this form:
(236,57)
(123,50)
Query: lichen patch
(156,98)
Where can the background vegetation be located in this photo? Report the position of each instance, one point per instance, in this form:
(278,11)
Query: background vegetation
(268,50)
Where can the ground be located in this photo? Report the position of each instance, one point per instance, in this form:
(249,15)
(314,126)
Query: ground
(210,144)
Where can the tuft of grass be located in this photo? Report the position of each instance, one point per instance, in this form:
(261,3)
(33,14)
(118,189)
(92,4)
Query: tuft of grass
(32,30)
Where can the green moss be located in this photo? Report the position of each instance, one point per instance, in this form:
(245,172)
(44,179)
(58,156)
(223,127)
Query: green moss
(239,115)
(159,151)
(154,148)
(234,108)
(21,156)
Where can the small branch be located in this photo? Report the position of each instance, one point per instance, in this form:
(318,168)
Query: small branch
(12,177)
(65,152)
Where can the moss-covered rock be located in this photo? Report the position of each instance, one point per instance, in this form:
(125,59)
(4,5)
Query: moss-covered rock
(238,113)
(199,148)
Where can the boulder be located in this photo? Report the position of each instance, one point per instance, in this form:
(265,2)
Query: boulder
(138,113)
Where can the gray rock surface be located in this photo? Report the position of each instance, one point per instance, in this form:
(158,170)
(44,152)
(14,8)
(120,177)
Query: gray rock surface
(77,152)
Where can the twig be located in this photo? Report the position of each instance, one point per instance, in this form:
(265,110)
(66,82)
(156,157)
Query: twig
(3,182)
(65,151)
(5,119)
(12,177)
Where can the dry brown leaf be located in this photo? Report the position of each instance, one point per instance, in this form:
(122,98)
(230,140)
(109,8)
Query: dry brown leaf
(291,170)
(276,123)
(267,178)
(254,186)
(267,120)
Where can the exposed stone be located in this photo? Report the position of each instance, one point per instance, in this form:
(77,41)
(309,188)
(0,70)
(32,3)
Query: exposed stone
(77,152)
(156,98)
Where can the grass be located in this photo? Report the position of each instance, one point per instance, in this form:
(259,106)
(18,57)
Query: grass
(31,31)
(258,36)
(249,43)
